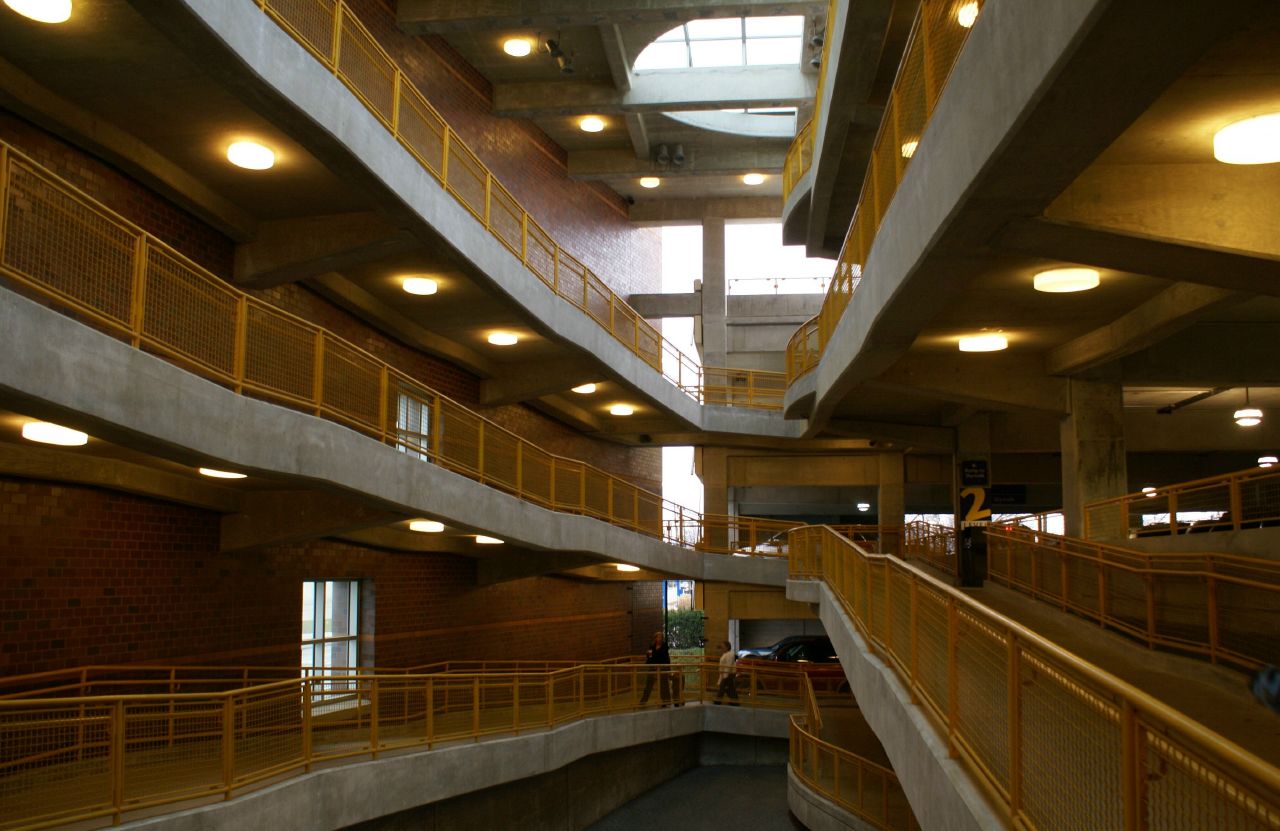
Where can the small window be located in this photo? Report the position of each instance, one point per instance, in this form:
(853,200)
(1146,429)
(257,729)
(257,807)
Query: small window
(330,629)
(413,427)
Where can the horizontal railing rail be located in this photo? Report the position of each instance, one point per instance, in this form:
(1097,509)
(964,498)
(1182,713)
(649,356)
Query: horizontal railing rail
(937,38)
(82,257)
(80,758)
(934,544)
(1230,502)
(800,154)
(1055,741)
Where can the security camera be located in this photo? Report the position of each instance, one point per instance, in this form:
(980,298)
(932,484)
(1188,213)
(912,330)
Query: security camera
(677,157)
(817,39)
(566,64)
(815,61)
(552,48)
(664,155)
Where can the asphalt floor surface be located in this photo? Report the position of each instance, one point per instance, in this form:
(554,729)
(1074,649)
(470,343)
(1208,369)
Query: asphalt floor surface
(711,798)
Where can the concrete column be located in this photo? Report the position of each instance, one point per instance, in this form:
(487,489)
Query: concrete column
(713,470)
(715,336)
(891,501)
(1093,455)
(973,444)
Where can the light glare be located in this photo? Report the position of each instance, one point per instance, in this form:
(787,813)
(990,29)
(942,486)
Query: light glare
(503,339)
(585,389)
(42,11)
(517,47)
(481,539)
(909,148)
(650,182)
(967,14)
(426,526)
(625,567)
(622,409)
(1252,141)
(47,433)
(983,343)
(214,473)
(420,286)
(251,155)
(753,179)
(591,124)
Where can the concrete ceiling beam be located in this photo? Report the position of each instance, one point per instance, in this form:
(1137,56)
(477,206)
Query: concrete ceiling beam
(279,517)
(599,165)
(533,379)
(688,304)
(993,382)
(518,564)
(889,436)
(693,211)
(424,16)
(289,250)
(1209,355)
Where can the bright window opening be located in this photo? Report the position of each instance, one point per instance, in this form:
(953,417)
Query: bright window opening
(331,631)
(720,42)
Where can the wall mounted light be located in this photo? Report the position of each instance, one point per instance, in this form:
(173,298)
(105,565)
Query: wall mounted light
(251,155)
(214,473)
(420,286)
(47,433)
(426,526)
(517,47)
(585,389)
(481,539)
(42,11)
(987,342)
(621,410)
(1064,280)
(504,338)
(1251,141)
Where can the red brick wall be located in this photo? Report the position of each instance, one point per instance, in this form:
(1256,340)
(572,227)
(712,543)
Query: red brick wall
(93,576)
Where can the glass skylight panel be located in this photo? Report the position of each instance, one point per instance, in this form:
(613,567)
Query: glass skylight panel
(709,53)
(675,34)
(664,56)
(774,27)
(772,51)
(715,29)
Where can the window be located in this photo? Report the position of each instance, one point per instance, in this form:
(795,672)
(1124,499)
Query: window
(330,628)
(733,41)
(413,426)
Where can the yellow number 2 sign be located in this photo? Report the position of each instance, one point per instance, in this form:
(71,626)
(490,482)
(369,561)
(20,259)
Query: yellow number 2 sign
(973,505)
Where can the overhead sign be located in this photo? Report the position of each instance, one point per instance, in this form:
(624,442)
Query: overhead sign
(974,472)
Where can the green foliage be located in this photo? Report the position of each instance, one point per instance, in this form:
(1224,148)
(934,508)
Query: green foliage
(684,629)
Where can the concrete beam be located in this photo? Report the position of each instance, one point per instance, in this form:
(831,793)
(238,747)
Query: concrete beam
(276,517)
(693,211)
(715,89)
(615,52)
(534,379)
(885,434)
(1209,355)
(422,16)
(589,165)
(997,381)
(638,133)
(1181,260)
(650,306)
(289,250)
(1173,309)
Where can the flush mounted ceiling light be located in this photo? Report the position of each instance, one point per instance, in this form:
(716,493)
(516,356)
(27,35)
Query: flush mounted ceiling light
(753,179)
(983,343)
(1252,141)
(426,526)
(1248,417)
(585,389)
(909,148)
(1266,461)
(214,473)
(591,124)
(251,155)
(517,47)
(42,11)
(864,506)
(46,433)
(625,567)
(650,181)
(503,339)
(421,286)
(1063,280)
(1149,491)
(621,410)
(967,14)
(481,539)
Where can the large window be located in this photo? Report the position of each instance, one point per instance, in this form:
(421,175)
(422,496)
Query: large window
(733,41)
(330,626)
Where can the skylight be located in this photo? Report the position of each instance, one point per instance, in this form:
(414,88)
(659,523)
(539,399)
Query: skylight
(733,41)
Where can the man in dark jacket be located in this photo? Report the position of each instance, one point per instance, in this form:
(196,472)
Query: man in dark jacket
(660,657)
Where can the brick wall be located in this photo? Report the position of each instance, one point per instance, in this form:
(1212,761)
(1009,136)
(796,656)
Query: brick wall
(94,576)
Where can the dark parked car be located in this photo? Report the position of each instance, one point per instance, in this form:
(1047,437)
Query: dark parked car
(772,650)
(814,653)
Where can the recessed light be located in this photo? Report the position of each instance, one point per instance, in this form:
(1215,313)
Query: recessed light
(251,155)
(909,148)
(649,181)
(625,567)
(591,124)
(983,343)
(864,506)
(517,47)
(753,179)
(42,11)
(1064,280)
(421,286)
(585,389)
(967,14)
(1267,461)
(426,526)
(46,433)
(504,339)
(1248,417)
(481,539)
(214,473)
(1252,141)
(621,410)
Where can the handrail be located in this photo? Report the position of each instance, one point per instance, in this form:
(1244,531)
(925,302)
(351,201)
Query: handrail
(935,544)
(937,37)
(332,33)
(1027,716)
(71,759)
(1247,498)
(146,292)
(800,153)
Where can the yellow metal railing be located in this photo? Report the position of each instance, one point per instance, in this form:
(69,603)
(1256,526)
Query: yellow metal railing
(1218,605)
(1244,499)
(936,39)
(1057,742)
(934,544)
(755,388)
(335,37)
(74,758)
(868,790)
(104,270)
(800,153)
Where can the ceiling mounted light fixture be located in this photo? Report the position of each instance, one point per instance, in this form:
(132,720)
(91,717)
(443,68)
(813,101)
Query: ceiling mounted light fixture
(421,286)
(42,11)
(481,539)
(1267,461)
(517,47)
(864,506)
(1247,416)
(625,567)
(585,389)
(1251,141)
(1149,491)
(621,410)
(426,526)
(504,338)
(1064,280)
(47,433)
(251,155)
(987,342)
(650,182)
(214,473)
(753,179)
(967,14)
(591,124)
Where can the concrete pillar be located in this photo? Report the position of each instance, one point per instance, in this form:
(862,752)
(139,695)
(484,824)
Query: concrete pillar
(713,469)
(973,445)
(891,501)
(715,335)
(1093,455)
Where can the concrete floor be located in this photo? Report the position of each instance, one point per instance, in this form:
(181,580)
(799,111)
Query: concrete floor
(711,798)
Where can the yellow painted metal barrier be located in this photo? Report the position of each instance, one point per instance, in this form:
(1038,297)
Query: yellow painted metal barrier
(934,544)
(1218,605)
(937,37)
(1057,742)
(74,758)
(88,261)
(1231,502)
(800,153)
(335,37)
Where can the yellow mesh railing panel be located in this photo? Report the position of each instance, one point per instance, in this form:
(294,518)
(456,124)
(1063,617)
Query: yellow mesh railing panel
(368,71)
(504,217)
(311,22)
(1241,500)
(466,179)
(280,355)
(187,316)
(352,386)
(422,130)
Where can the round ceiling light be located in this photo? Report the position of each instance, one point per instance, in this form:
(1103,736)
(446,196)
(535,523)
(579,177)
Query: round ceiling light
(504,339)
(1252,141)
(1248,417)
(753,179)
(42,11)
(517,47)
(989,342)
(591,124)
(621,410)
(967,14)
(46,433)
(650,182)
(420,286)
(864,506)
(1064,280)
(214,473)
(1150,491)
(426,526)
(585,389)
(481,539)
(1266,461)
(251,155)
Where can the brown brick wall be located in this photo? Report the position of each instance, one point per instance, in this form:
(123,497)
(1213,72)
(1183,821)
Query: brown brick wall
(93,576)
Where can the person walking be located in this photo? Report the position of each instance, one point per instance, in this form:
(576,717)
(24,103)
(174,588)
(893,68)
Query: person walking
(728,675)
(658,658)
